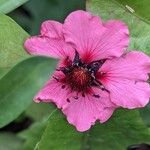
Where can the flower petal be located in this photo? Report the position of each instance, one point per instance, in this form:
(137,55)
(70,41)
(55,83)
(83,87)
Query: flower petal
(106,114)
(127,93)
(44,46)
(52,29)
(93,39)
(115,40)
(81,112)
(125,78)
(53,91)
(83,30)
(134,65)
(84,111)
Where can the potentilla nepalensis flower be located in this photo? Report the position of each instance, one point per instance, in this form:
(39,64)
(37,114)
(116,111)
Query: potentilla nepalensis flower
(95,73)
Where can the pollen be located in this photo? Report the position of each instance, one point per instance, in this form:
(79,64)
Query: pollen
(79,79)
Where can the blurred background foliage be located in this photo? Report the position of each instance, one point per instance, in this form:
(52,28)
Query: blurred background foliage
(34,12)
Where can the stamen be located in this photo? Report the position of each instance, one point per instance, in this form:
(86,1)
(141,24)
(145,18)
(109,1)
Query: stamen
(68,100)
(76,60)
(97,83)
(63,69)
(95,65)
(96,95)
(83,95)
(63,86)
(93,76)
(104,89)
(81,76)
(56,78)
(75,97)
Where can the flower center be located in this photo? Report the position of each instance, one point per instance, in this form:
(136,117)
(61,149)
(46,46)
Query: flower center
(79,78)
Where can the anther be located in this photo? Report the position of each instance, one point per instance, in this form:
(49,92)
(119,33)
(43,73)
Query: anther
(92,75)
(99,84)
(63,69)
(76,60)
(75,97)
(95,65)
(63,86)
(56,78)
(96,95)
(83,95)
(68,100)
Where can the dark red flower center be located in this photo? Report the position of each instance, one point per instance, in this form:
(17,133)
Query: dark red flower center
(81,76)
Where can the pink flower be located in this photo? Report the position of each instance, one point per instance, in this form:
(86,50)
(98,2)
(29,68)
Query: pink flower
(95,74)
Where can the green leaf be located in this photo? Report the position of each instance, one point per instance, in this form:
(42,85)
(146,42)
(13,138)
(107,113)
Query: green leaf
(45,10)
(41,110)
(57,10)
(145,112)
(19,86)
(9,141)
(33,134)
(8,5)
(139,30)
(123,129)
(138,8)
(12,37)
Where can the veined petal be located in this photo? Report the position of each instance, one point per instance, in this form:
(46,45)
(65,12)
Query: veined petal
(127,93)
(106,114)
(134,65)
(93,39)
(126,79)
(52,29)
(83,30)
(84,111)
(81,112)
(50,43)
(114,41)
(53,91)
(50,47)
